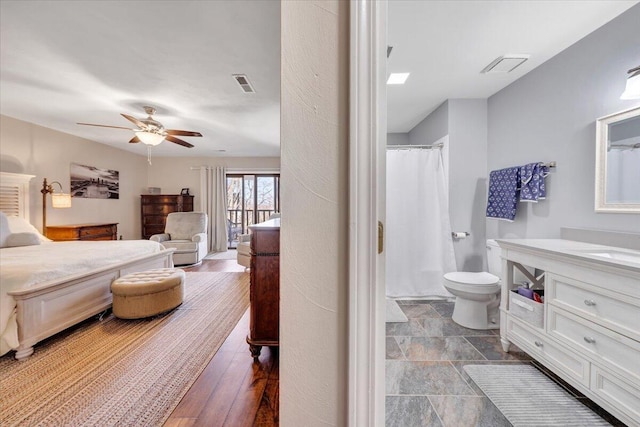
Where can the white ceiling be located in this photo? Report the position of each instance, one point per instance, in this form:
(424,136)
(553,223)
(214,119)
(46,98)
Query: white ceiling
(63,62)
(445,45)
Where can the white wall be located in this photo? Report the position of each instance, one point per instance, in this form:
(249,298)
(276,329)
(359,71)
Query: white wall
(46,153)
(172,174)
(36,150)
(549,115)
(314,235)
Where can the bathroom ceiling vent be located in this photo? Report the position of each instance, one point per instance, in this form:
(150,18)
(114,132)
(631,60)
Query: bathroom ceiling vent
(506,63)
(243,81)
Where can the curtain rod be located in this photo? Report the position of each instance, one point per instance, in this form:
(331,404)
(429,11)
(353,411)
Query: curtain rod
(419,147)
(238,170)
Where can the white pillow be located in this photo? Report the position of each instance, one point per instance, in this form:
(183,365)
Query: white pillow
(21,225)
(22,239)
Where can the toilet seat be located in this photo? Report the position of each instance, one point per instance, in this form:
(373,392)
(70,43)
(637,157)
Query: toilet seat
(467,278)
(480,283)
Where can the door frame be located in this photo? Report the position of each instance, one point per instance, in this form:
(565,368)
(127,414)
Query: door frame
(367,151)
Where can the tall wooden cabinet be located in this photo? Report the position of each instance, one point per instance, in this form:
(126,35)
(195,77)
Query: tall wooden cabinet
(264,293)
(156,207)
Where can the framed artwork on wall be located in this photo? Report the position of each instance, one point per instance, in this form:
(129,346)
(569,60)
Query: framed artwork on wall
(90,182)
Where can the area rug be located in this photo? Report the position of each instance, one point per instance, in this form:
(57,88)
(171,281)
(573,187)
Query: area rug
(527,397)
(124,372)
(394,312)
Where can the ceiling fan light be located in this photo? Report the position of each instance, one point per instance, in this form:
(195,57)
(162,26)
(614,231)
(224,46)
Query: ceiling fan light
(149,138)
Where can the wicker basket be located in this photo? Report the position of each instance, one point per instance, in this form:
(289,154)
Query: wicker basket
(526,309)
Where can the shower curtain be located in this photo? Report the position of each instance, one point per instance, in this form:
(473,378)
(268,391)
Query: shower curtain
(419,243)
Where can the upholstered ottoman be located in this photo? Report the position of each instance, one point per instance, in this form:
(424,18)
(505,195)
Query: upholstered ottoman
(147,293)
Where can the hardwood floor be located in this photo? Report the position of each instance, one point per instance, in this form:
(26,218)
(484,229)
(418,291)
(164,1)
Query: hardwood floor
(232,390)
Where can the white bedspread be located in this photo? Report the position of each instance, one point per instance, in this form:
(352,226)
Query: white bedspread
(28,266)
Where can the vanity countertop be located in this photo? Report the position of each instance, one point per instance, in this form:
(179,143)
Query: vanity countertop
(600,254)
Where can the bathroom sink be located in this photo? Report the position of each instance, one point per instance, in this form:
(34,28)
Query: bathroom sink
(616,255)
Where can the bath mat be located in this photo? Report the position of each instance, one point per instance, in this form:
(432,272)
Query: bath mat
(394,312)
(527,397)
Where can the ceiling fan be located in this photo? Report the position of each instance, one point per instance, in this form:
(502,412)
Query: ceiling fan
(150,131)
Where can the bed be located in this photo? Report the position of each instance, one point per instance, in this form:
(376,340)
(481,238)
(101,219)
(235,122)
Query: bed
(49,286)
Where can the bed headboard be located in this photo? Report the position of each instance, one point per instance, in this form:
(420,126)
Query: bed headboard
(14,194)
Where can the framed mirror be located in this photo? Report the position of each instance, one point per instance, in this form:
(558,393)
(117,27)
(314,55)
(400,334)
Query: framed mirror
(618,162)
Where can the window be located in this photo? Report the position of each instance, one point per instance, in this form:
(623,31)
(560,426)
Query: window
(251,198)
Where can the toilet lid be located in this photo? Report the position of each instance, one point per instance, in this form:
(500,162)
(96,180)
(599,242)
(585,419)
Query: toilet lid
(467,278)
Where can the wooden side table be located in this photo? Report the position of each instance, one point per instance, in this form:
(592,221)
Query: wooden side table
(103,231)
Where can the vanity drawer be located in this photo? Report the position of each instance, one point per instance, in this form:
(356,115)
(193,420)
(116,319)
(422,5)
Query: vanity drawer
(620,352)
(620,313)
(621,395)
(542,348)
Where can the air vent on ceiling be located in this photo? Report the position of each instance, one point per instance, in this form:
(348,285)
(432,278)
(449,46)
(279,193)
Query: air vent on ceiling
(243,81)
(506,63)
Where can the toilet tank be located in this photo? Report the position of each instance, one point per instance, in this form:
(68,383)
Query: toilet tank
(494,262)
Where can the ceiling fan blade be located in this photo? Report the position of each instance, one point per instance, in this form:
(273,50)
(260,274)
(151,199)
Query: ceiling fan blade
(134,121)
(103,126)
(178,141)
(182,132)
(134,140)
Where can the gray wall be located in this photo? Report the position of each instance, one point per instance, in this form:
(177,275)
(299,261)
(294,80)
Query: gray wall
(549,114)
(465,121)
(467,179)
(397,139)
(432,128)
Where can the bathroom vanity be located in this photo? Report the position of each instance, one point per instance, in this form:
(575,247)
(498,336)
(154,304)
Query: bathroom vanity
(588,330)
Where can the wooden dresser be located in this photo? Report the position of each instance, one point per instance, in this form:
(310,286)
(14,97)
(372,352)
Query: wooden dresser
(264,293)
(156,207)
(104,231)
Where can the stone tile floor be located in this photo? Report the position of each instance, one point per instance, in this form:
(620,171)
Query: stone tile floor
(425,381)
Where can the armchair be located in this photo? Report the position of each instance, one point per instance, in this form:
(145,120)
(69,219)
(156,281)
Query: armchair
(186,232)
(244,250)
(244,246)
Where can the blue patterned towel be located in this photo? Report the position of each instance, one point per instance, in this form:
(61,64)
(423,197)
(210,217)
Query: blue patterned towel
(532,178)
(503,193)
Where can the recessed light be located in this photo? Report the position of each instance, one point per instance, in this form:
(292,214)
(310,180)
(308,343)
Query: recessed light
(397,78)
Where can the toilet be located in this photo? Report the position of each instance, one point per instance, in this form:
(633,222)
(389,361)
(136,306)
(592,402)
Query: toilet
(477,294)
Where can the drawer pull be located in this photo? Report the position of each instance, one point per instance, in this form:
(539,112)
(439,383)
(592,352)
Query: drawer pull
(590,340)
(589,302)
(538,343)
